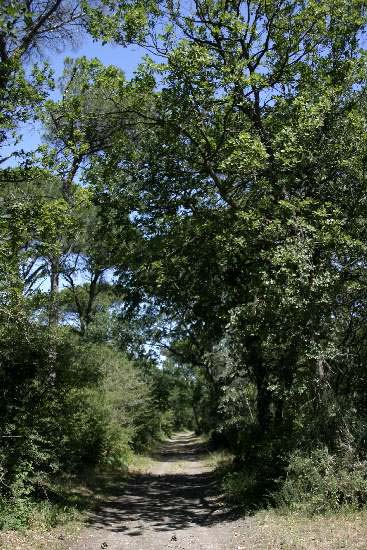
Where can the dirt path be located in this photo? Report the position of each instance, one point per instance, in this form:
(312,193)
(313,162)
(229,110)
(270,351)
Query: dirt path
(174,506)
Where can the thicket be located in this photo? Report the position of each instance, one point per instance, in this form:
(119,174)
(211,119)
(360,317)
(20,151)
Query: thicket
(68,405)
(206,216)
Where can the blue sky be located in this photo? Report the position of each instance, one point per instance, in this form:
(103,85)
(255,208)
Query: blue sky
(126,58)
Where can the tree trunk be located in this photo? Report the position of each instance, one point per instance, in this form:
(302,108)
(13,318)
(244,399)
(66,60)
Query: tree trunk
(54,291)
(263,400)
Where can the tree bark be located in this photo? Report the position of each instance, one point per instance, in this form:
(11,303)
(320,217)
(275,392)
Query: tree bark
(263,399)
(54,290)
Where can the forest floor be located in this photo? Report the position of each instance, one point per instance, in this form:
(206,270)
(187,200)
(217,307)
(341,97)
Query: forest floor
(172,502)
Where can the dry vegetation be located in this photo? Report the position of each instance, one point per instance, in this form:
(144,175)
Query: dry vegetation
(271,531)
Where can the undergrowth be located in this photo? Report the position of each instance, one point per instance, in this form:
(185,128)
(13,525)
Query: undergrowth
(321,482)
(313,483)
(220,460)
(62,500)
(30,514)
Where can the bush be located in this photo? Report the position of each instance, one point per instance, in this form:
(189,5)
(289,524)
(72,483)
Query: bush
(69,404)
(244,489)
(319,482)
(28,513)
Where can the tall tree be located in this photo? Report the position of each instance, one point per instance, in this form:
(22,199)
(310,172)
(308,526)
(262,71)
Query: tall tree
(247,183)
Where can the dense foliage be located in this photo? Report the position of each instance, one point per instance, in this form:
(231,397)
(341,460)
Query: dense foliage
(187,248)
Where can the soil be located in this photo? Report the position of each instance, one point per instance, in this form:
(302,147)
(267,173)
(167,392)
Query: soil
(174,506)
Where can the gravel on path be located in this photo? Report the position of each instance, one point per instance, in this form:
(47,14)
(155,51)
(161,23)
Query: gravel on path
(174,506)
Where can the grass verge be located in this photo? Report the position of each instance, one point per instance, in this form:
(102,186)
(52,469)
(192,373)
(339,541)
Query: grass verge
(270,530)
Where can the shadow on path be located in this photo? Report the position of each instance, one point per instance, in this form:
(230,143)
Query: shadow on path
(167,501)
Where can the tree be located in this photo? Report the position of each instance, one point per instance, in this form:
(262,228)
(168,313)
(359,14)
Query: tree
(27,31)
(245,184)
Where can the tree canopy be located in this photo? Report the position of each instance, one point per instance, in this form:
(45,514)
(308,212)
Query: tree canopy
(187,247)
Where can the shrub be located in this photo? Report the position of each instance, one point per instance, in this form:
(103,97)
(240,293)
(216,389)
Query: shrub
(28,513)
(241,489)
(319,482)
(69,404)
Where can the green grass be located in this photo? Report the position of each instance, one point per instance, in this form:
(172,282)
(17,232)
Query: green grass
(219,460)
(68,499)
(59,503)
(58,509)
(141,464)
